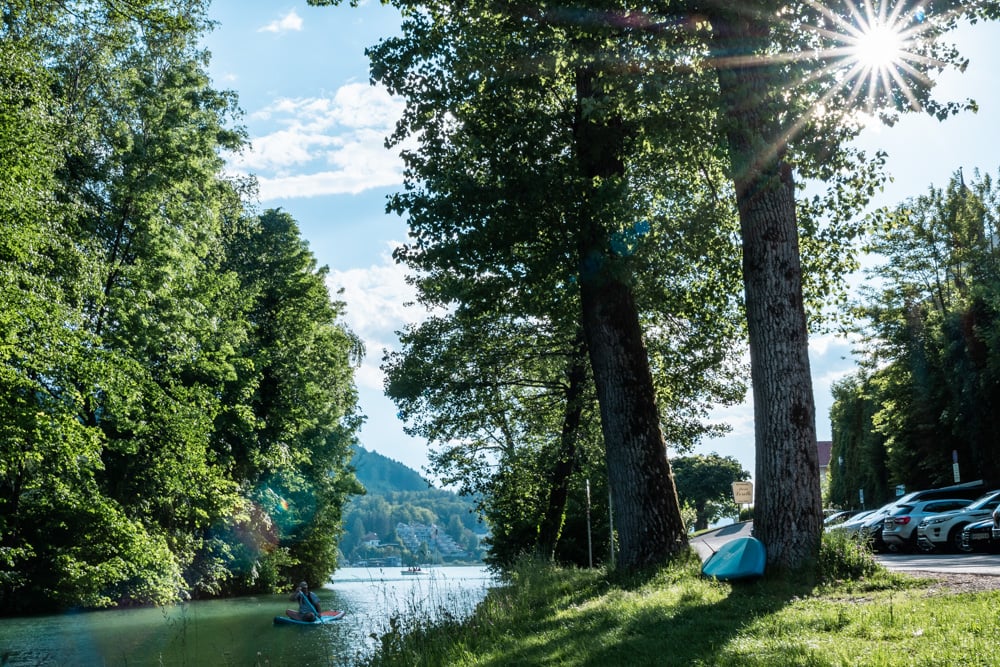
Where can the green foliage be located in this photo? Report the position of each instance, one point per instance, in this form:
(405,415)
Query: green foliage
(148,399)
(843,557)
(929,362)
(540,179)
(705,482)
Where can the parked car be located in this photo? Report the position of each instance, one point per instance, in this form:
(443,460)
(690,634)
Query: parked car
(900,528)
(870,521)
(852,525)
(978,536)
(941,531)
(867,526)
(839,516)
(871,530)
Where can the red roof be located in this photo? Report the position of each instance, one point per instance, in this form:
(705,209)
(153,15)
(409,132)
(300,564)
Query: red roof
(825,449)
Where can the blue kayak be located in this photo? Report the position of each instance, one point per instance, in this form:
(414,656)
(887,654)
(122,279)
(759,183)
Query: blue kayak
(324,617)
(741,558)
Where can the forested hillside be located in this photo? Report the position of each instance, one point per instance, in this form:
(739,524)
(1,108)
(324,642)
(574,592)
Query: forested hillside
(397,495)
(177,401)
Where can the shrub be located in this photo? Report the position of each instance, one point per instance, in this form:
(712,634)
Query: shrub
(842,557)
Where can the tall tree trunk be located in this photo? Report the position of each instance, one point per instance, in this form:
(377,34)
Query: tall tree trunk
(788,511)
(551,525)
(648,519)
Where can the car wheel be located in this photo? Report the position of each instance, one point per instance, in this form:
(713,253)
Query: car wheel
(926,546)
(955,539)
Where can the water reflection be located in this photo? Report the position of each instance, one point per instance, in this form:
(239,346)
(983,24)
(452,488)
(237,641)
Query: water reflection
(241,631)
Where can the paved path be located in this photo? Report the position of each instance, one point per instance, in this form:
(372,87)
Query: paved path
(978,563)
(708,543)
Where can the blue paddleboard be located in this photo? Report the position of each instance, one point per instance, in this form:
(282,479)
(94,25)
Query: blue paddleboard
(325,617)
(740,558)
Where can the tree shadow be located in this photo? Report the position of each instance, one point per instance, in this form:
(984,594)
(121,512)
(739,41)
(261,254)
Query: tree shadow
(691,630)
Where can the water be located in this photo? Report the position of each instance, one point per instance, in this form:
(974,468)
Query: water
(241,631)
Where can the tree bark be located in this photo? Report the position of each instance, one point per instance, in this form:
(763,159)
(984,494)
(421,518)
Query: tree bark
(550,528)
(787,511)
(648,519)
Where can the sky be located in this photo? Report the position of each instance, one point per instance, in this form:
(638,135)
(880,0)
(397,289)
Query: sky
(317,130)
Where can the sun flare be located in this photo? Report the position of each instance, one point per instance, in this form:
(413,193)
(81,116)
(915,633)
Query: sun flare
(878,47)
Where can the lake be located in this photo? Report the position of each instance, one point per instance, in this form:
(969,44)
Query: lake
(241,631)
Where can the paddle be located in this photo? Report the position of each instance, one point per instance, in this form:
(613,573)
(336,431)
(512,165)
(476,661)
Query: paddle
(315,612)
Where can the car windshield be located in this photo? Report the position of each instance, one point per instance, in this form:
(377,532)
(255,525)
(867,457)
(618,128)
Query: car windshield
(989,501)
(902,509)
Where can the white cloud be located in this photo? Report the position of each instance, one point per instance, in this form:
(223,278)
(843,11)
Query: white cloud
(376,301)
(325,145)
(289,22)
(343,181)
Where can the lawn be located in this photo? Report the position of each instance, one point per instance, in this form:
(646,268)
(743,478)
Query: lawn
(545,615)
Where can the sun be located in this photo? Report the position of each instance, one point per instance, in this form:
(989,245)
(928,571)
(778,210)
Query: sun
(876,49)
(878,46)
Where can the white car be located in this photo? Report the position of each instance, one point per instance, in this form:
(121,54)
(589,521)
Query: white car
(940,531)
(900,528)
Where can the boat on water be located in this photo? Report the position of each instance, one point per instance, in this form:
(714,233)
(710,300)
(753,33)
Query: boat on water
(742,558)
(413,572)
(328,616)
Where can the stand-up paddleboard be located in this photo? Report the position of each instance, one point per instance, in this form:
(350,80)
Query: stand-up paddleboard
(741,558)
(325,617)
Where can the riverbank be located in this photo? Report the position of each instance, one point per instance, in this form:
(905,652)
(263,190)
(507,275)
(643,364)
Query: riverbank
(673,616)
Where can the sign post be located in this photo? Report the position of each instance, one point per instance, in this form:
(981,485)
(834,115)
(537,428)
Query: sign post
(742,494)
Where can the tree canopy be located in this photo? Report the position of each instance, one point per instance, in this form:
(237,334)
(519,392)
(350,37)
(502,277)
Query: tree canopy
(927,386)
(173,424)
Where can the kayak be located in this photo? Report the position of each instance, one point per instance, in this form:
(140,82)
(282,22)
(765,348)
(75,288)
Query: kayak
(324,617)
(741,558)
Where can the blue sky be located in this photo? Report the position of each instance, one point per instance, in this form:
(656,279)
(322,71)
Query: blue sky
(317,130)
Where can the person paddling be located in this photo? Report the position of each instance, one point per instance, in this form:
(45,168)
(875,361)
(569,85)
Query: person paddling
(309,609)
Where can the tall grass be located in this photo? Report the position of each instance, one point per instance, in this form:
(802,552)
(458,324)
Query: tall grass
(850,611)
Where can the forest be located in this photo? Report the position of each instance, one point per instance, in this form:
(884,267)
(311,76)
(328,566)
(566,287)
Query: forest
(396,494)
(620,217)
(924,398)
(176,382)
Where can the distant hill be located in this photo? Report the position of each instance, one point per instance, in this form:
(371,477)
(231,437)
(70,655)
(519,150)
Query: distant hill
(380,474)
(399,499)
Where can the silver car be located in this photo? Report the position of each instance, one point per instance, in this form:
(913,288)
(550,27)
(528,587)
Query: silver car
(900,528)
(940,531)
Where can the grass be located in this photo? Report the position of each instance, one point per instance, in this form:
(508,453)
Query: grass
(544,615)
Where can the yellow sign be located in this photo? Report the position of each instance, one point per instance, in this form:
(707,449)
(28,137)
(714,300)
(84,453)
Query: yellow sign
(743,493)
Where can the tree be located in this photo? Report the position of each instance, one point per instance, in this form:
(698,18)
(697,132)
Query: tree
(705,482)
(126,327)
(928,322)
(762,51)
(756,52)
(495,149)
(113,95)
(291,414)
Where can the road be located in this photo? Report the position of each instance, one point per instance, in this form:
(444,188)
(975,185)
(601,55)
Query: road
(985,564)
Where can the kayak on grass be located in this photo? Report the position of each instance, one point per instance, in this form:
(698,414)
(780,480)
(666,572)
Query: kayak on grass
(741,558)
(327,616)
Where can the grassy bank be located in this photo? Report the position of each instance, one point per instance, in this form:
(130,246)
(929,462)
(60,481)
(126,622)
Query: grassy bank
(551,616)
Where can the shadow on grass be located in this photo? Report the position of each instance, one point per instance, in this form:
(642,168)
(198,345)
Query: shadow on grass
(664,616)
(692,630)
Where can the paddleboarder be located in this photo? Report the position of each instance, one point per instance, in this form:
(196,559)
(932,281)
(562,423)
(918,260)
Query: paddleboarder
(309,608)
